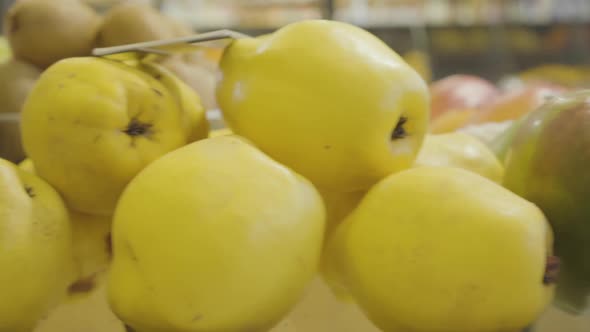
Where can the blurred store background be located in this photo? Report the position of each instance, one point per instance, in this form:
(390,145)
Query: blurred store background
(508,42)
(488,38)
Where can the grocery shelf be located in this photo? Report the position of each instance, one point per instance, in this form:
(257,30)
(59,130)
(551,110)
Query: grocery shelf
(470,39)
(269,28)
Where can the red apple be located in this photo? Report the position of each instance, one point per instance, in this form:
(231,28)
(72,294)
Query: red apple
(460,92)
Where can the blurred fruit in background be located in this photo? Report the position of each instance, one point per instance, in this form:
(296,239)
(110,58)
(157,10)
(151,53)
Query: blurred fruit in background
(456,98)
(43,32)
(198,72)
(16,80)
(177,27)
(129,23)
(132,22)
(460,92)
(460,100)
(516,103)
(10,144)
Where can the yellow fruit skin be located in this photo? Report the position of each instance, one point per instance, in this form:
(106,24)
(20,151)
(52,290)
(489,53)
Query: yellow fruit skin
(77,127)
(195,122)
(91,247)
(214,236)
(27,165)
(317,95)
(463,151)
(220,132)
(34,248)
(443,249)
(338,207)
(5,51)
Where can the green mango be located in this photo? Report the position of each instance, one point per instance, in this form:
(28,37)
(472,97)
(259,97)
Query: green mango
(548,163)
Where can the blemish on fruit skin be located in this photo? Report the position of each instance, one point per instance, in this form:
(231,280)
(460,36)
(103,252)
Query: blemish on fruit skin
(132,253)
(129,328)
(96,138)
(83,285)
(30,191)
(158,92)
(71,75)
(327,147)
(109,244)
(197,317)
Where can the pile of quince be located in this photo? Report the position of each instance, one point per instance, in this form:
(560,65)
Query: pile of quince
(327,188)
(38,33)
